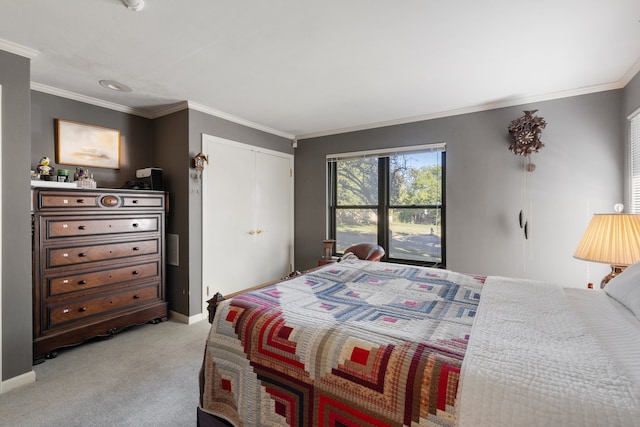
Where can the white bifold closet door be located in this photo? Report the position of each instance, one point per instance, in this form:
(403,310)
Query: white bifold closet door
(247,216)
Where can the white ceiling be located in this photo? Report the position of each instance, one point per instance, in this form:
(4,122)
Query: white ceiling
(301,68)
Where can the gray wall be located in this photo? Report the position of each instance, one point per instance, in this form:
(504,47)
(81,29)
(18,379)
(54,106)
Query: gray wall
(578,173)
(171,139)
(631,96)
(16,331)
(136,135)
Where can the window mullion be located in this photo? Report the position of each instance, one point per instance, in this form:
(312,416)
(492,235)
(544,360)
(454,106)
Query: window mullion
(333,200)
(383,202)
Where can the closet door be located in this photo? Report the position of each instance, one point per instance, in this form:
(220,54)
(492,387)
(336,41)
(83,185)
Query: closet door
(247,216)
(227,218)
(274,216)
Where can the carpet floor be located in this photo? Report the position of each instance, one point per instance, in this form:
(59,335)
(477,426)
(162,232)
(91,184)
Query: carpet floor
(144,376)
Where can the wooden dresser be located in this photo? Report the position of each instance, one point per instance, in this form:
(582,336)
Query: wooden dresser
(98,264)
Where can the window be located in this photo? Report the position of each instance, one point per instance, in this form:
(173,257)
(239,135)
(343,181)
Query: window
(634,159)
(394,199)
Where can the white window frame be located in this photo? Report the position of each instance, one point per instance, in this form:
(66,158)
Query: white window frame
(634,162)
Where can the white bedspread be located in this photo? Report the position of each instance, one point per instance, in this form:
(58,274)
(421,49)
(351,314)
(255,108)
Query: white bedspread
(531,361)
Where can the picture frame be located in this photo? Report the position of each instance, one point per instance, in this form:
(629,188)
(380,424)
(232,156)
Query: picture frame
(81,144)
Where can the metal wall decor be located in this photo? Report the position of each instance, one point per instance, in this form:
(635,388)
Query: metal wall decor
(525,134)
(525,139)
(524,224)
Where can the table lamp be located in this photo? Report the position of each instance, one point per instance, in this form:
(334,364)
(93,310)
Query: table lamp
(613,239)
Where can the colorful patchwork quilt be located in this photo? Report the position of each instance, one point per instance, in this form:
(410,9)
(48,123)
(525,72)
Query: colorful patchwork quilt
(354,343)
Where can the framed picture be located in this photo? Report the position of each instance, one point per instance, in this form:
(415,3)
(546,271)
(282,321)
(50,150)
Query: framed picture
(80,144)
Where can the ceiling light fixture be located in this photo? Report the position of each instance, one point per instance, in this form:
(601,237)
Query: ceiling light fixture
(134,5)
(113,85)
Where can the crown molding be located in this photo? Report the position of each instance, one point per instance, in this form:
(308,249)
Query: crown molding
(238,120)
(169,110)
(631,73)
(474,109)
(88,100)
(626,78)
(158,113)
(17,49)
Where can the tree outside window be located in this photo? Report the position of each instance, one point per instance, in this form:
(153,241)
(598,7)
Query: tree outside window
(394,200)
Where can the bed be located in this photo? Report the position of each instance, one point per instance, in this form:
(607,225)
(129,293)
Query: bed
(361,343)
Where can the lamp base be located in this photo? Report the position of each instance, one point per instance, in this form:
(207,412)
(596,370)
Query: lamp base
(615,270)
(328,248)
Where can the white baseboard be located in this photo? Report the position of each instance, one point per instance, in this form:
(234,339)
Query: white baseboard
(179,317)
(19,381)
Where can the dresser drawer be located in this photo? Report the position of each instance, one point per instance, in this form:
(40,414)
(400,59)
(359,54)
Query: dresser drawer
(62,313)
(56,227)
(70,200)
(56,200)
(87,280)
(156,201)
(57,257)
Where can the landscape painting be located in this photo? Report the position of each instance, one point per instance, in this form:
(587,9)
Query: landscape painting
(80,144)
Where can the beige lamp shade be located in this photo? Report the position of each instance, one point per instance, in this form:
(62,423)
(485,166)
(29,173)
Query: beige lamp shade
(611,238)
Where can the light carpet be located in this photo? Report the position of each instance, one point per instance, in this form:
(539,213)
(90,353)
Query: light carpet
(144,376)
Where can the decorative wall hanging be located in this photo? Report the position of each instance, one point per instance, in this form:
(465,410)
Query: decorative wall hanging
(80,144)
(525,134)
(525,140)
(198,163)
(524,224)
(199,160)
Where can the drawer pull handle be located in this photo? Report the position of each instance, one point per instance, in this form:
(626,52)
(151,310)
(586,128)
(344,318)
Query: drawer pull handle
(134,272)
(82,254)
(82,309)
(110,200)
(82,282)
(82,227)
(135,248)
(134,201)
(135,225)
(136,296)
(80,201)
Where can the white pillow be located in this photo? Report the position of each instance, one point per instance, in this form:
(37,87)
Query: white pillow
(625,288)
(349,256)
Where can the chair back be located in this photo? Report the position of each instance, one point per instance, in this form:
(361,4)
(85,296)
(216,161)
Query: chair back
(366,251)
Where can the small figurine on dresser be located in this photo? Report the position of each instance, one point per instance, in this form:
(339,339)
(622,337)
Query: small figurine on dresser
(44,169)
